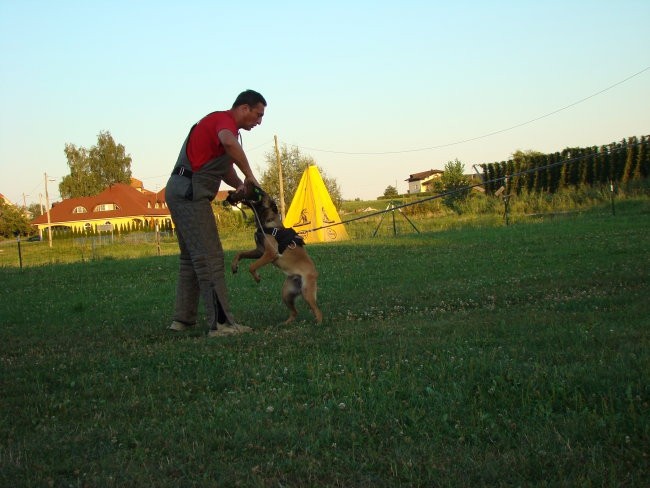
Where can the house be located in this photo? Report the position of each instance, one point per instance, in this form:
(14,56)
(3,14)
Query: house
(120,206)
(419,182)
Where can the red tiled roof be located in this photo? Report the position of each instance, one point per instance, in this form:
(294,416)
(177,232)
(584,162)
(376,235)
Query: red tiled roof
(130,203)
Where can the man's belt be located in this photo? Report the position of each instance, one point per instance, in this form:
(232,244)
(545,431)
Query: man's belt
(182,171)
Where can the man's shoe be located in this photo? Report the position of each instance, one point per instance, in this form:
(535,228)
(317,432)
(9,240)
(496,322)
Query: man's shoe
(228,329)
(180,326)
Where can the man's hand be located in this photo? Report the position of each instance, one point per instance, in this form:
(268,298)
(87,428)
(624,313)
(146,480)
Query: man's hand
(249,183)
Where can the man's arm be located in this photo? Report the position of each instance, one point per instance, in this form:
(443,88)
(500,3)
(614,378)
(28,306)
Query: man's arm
(236,152)
(232,179)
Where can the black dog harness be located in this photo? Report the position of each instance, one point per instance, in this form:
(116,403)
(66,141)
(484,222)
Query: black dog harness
(287,238)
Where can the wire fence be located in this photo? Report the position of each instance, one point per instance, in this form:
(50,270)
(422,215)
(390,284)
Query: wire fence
(370,224)
(466,189)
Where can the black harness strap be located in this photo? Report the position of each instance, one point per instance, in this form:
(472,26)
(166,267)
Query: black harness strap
(285,237)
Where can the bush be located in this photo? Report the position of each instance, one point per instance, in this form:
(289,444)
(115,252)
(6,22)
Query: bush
(480,204)
(230,218)
(424,209)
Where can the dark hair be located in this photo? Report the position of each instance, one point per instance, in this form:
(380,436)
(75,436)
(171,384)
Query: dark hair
(250,98)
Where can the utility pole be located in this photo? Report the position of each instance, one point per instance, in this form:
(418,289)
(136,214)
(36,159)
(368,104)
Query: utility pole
(277,156)
(40,201)
(47,207)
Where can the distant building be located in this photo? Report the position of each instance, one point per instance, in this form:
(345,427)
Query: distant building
(419,182)
(120,206)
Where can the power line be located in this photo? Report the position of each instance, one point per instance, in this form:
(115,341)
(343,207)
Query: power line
(463,141)
(500,131)
(259,145)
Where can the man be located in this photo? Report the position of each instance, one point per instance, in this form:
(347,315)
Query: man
(206,159)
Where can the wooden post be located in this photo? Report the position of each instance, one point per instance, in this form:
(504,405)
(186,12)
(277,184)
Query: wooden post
(158,238)
(47,208)
(20,254)
(277,156)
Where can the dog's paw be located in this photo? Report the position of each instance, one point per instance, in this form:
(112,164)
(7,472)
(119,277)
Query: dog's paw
(234,268)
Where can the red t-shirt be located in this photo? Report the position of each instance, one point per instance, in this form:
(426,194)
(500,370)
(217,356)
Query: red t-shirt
(204,143)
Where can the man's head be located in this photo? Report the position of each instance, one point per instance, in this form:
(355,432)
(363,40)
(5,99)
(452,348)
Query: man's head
(248,109)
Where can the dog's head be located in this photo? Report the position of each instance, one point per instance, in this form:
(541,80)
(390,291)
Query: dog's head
(266,210)
(261,203)
(245,195)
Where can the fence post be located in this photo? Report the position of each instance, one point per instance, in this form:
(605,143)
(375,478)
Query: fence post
(20,254)
(158,238)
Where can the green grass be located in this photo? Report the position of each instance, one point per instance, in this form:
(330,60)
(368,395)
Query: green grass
(471,356)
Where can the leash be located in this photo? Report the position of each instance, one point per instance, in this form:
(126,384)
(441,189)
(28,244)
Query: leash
(258,221)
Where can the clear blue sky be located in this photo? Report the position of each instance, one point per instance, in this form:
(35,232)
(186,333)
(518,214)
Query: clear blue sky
(372,90)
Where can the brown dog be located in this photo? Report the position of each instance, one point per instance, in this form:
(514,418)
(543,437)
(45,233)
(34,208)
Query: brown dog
(285,249)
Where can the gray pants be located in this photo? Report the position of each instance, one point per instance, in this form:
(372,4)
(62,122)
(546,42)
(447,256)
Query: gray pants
(201,270)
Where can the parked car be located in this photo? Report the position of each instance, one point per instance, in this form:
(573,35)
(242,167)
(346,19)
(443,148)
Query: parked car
(34,238)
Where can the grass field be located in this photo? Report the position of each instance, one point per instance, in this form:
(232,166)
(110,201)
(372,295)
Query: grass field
(473,356)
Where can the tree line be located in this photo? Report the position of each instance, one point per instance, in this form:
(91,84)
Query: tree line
(617,163)
(93,170)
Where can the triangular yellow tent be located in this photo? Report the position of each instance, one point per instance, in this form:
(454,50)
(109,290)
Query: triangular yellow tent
(312,208)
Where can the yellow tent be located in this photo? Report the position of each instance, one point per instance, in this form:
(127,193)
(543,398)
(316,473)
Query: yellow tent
(312,208)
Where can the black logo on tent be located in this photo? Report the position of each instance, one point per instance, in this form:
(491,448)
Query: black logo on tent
(304,220)
(326,219)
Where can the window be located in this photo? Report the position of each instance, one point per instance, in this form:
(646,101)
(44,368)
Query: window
(79,209)
(106,207)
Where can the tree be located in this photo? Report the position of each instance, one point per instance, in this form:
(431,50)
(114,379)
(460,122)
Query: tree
(294,164)
(524,161)
(390,192)
(454,180)
(35,209)
(12,220)
(95,169)
(642,168)
(630,160)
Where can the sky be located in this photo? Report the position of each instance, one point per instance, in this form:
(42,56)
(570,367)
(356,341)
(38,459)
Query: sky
(373,91)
